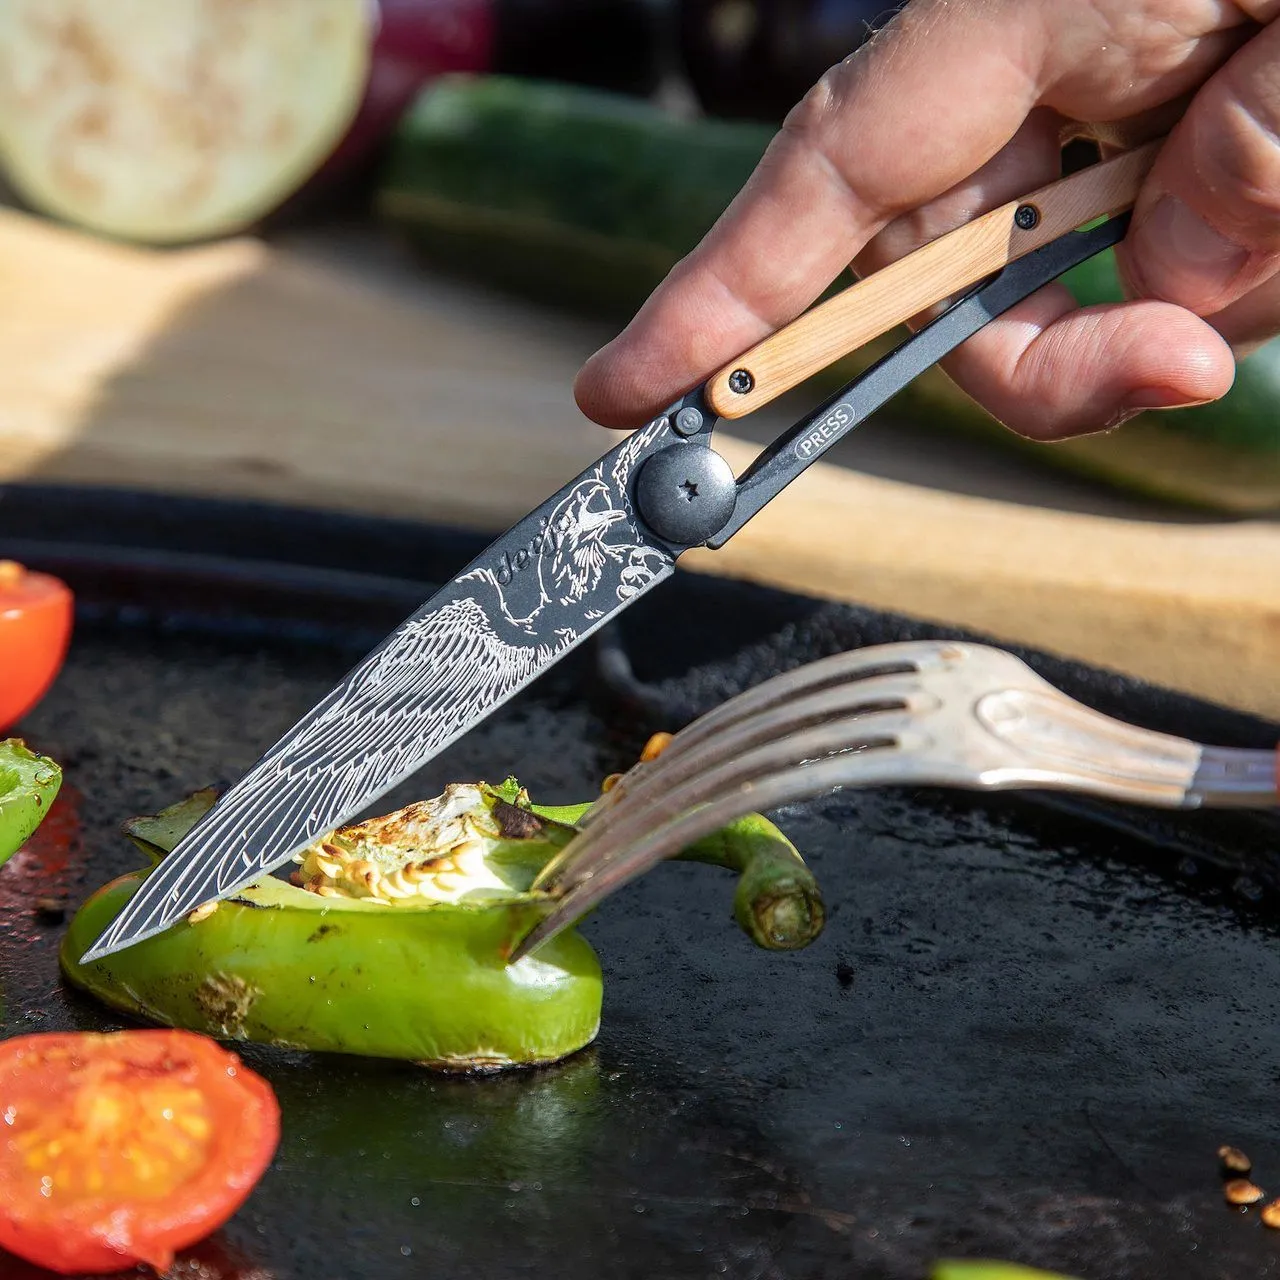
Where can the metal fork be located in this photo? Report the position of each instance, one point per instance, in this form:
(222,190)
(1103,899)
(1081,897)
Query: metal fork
(927,713)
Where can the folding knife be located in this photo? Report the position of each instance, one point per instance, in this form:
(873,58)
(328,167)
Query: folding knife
(614,534)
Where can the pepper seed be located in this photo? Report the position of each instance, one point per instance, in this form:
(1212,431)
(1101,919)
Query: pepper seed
(50,911)
(1235,1161)
(1270,1215)
(1242,1191)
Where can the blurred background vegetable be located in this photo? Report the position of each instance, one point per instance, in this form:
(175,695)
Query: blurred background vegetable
(175,122)
(36,616)
(755,59)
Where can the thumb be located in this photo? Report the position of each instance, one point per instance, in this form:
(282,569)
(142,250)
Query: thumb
(1206,228)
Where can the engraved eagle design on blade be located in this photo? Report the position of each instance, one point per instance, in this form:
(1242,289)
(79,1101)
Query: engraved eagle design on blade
(532,596)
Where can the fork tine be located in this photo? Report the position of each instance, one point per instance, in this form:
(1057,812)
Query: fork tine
(832,720)
(886,693)
(841,668)
(871,765)
(626,850)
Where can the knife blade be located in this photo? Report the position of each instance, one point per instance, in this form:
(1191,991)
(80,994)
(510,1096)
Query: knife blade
(536,593)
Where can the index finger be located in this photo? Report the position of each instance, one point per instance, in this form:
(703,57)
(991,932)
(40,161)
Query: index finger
(879,134)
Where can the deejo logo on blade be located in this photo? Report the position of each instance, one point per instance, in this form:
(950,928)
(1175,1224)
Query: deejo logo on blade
(836,423)
(548,536)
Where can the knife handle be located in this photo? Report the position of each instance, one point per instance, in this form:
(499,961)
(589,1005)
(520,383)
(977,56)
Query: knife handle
(931,274)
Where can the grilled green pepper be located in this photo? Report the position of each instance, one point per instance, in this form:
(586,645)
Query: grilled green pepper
(28,785)
(392,942)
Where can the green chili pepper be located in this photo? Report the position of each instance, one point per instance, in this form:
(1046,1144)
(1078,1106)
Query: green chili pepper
(393,941)
(28,785)
(777,903)
(983,1270)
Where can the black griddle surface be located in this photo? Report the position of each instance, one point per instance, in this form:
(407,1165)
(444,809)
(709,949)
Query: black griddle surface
(1025,1032)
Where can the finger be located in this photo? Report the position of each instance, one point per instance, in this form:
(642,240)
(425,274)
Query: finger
(1049,368)
(862,147)
(1251,321)
(1206,228)
(1032,158)
(889,129)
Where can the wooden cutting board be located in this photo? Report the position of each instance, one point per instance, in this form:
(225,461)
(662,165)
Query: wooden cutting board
(239,369)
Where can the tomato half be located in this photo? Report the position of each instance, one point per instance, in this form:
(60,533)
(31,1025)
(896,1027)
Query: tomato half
(123,1148)
(36,612)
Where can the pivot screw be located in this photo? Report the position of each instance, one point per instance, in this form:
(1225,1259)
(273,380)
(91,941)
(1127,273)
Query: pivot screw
(685,493)
(688,422)
(1027,216)
(741,382)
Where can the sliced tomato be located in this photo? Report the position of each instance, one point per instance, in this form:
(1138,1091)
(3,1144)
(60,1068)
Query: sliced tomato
(35,628)
(124,1148)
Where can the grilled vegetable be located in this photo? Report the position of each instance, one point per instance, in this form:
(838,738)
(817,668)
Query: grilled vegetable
(393,941)
(588,199)
(124,1148)
(28,785)
(36,614)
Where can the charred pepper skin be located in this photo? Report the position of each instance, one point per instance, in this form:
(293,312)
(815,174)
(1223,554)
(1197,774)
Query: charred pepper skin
(418,980)
(29,784)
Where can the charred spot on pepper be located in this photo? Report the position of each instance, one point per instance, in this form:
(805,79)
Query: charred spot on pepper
(225,999)
(323,932)
(515,823)
(249,904)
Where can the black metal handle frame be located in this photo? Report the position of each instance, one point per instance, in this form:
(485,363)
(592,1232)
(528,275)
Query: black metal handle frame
(688,494)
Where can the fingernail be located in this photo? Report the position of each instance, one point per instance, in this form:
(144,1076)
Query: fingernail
(1160,398)
(1182,259)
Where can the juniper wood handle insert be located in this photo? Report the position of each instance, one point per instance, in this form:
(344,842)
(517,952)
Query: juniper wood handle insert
(931,274)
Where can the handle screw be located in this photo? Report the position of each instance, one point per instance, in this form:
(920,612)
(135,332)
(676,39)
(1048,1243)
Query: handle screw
(741,382)
(1026,216)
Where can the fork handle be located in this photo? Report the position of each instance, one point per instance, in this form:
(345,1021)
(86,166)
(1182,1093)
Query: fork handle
(931,274)
(1230,778)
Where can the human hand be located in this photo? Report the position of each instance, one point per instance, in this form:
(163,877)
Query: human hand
(955,107)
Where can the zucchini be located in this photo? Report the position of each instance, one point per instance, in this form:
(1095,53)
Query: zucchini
(582,198)
(568,195)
